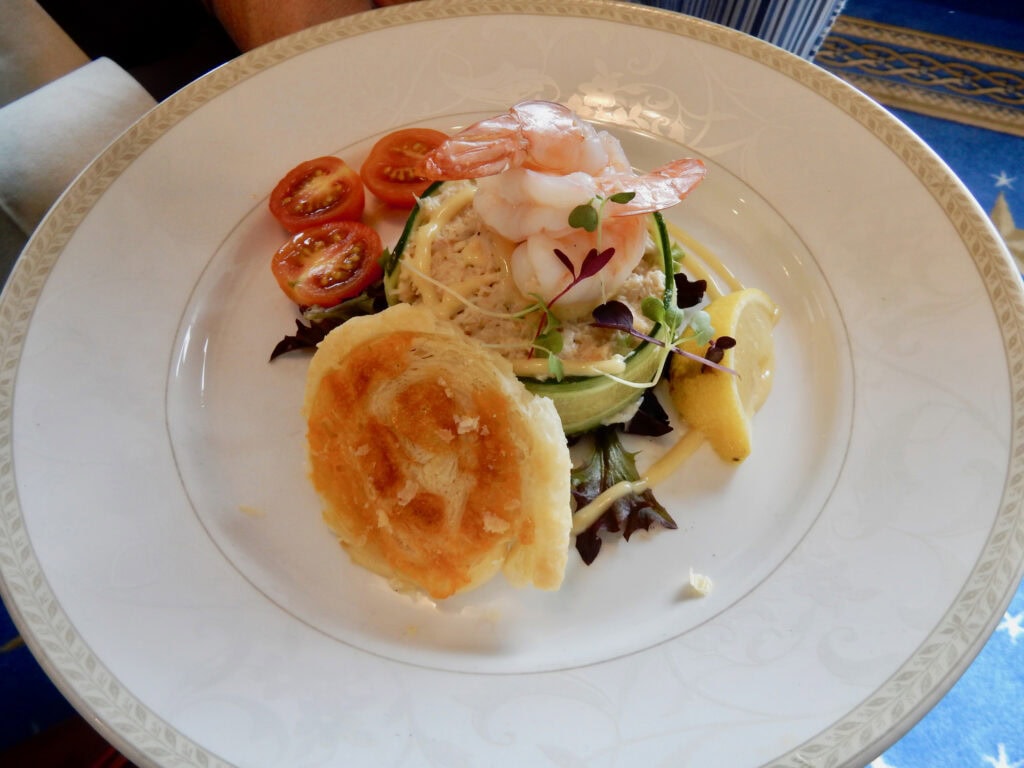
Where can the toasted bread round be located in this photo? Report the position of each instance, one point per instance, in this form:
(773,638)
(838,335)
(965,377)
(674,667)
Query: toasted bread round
(436,466)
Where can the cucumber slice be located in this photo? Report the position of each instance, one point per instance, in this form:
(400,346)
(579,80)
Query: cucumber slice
(394,258)
(583,403)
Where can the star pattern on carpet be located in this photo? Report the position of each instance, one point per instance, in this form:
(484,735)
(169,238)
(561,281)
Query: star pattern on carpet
(1012,625)
(1003,179)
(1001,760)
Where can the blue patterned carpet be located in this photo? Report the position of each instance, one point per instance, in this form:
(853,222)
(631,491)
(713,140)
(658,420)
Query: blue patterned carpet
(932,74)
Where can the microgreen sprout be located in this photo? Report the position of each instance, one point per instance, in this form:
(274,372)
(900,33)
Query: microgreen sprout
(617,316)
(593,263)
(653,309)
(716,351)
(588,215)
(689,293)
(548,337)
(549,340)
(584,217)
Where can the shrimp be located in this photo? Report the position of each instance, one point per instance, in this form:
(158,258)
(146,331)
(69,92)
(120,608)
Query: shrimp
(549,138)
(534,165)
(539,135)
(536,271)
(520,203)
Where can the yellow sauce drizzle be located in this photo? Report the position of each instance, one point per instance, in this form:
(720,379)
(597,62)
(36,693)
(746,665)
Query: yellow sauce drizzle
(451,305)
(586,516)
(667,465)
(425,236)
(674,458)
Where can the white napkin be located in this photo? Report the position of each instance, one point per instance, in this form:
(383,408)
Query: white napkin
(49,135)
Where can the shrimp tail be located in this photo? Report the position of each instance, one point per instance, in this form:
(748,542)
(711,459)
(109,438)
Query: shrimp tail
(540,135)
(654,191)
(485,148)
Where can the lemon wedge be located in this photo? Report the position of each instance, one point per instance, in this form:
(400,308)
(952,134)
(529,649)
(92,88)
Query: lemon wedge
(717,403)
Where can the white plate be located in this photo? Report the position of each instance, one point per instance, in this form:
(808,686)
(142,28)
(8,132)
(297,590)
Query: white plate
(163,554)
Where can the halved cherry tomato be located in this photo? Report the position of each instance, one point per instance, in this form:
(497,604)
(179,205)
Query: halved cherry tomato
(317,191)
(390,170)
(328,263)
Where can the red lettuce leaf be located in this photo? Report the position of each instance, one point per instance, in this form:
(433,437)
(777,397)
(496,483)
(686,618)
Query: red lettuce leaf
(319,321)
(609,464)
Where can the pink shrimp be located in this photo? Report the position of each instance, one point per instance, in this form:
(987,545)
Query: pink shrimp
(539,135)
(548,137)
(535,272)
(538,162)
(653,191)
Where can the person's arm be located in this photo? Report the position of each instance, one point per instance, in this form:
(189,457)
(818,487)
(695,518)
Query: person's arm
(251,23)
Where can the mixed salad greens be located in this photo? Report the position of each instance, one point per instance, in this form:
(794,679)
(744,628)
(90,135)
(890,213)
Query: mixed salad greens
(333,272)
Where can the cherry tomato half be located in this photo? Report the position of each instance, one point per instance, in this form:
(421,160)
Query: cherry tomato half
(328,263)
(317,191)
(390,170)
